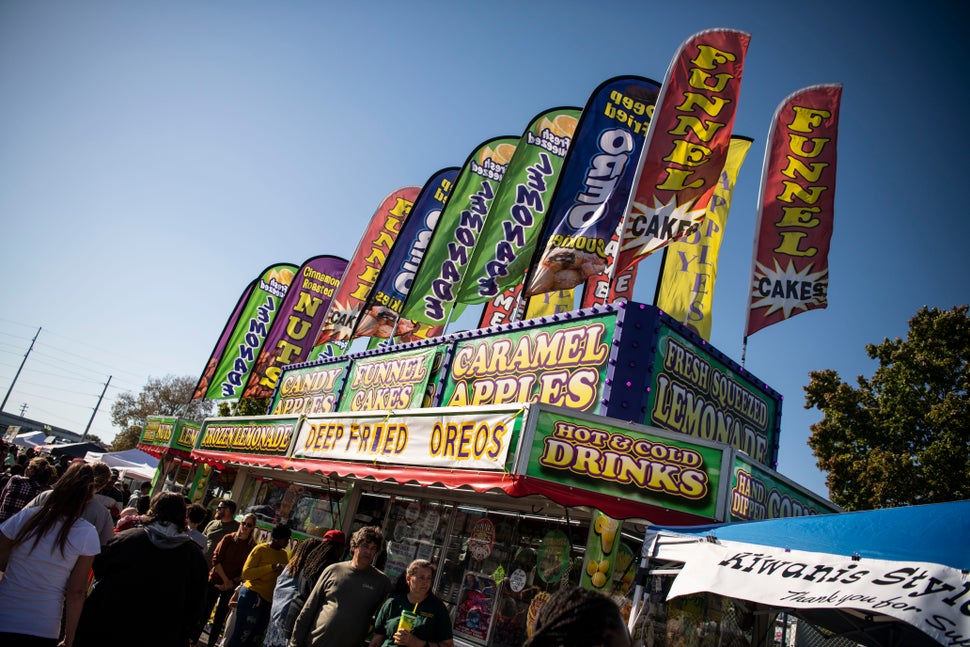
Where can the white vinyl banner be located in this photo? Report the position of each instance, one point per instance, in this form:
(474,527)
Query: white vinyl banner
(931,597)
(478,441)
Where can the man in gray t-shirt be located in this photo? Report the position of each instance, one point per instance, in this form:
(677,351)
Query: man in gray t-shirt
(340,608)
(223,524)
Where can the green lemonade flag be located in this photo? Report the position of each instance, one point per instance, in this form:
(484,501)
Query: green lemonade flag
(247,338)
(202,386)
(515,218)
(438,280)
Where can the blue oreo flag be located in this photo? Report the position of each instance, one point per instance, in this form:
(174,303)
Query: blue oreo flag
(594,185)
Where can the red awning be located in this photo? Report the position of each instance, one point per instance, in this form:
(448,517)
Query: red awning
(162,452)
(477,480)
(616,507)
(515,485)
(157,452)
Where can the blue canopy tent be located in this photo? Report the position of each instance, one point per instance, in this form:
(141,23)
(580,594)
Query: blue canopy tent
(897,576)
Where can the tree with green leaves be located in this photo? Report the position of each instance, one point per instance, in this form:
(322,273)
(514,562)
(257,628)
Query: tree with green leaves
(903,436)
(165,396)
(244,407)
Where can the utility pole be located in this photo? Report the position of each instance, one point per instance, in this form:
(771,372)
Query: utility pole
(23,409)
(95,412)
(4,403)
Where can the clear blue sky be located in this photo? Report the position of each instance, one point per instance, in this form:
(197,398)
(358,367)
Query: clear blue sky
(154,157)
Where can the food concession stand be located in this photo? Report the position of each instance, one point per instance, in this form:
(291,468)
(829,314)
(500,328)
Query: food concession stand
(171,440)
(518,459)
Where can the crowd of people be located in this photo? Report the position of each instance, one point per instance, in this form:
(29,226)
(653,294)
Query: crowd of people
(71,556)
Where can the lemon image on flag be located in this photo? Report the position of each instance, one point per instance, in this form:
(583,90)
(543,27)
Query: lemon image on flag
(600,551)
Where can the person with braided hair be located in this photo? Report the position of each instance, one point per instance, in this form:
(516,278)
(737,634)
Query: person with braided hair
(285,591)
(575,617)
(329,551)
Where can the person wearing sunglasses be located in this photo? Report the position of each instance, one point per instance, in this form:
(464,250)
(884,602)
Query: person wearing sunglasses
(228,560)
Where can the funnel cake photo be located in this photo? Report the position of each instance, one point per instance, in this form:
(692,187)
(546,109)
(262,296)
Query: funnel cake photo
(564,268)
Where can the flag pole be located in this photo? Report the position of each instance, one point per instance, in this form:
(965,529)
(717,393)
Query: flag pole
(660,275)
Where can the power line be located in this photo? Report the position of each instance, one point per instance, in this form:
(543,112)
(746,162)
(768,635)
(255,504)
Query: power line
(21,394)
(54,368)
(85,359)
(90,380)
(52,387)
(58,352)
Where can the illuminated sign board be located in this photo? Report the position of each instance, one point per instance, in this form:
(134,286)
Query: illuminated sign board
(266,435)
(757,493)
(158,431)
(390,380)
(695,393)
(185,436)
(309,390)
(470,439)
(632,462)
(562,364)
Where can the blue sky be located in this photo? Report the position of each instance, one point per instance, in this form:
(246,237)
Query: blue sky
(154,157)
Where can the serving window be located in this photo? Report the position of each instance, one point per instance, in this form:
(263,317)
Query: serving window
(212,484)
(309,510)
(500,566)
(178,475)
(414,528)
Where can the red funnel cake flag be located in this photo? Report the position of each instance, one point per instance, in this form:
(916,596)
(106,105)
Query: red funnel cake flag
(363,270)
(790,268)
(687,144)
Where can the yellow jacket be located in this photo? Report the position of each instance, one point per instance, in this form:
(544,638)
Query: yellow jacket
(258,573)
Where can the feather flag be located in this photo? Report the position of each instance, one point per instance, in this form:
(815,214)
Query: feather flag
(503,309)
(687,144)
(438,281)
(518,210)
(290,339)
(550,303)
(382,313)
(594,185)
(363,270)
(509,306)
(248,333)
(609,287)
(222,343)
(690,264)
(790,268)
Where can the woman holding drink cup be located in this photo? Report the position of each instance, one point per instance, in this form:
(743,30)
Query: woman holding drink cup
(416,618)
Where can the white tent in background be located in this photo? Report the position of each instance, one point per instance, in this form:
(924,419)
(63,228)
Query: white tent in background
(130,463)
(30,439)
